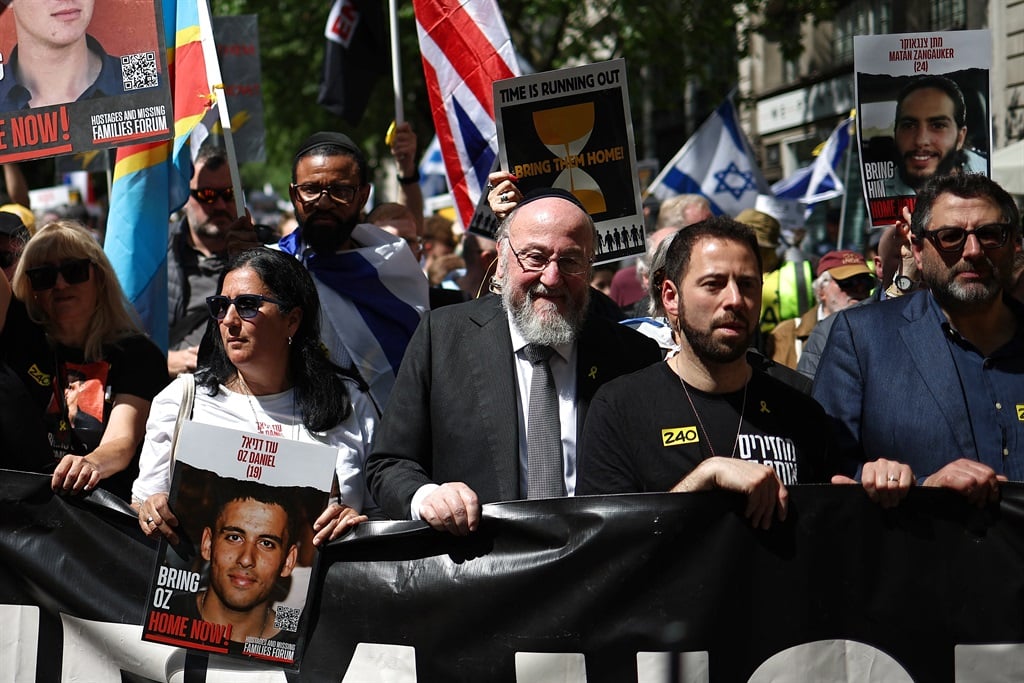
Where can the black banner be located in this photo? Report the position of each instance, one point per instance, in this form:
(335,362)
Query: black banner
(596,589)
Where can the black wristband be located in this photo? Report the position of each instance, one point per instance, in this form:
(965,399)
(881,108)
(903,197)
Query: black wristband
(409,180)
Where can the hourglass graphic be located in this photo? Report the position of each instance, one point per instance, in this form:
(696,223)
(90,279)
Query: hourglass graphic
(565,131)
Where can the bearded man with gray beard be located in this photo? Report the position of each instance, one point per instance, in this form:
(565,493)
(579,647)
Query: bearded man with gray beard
(454,433)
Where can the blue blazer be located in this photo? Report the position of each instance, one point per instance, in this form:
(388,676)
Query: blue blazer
(888,381)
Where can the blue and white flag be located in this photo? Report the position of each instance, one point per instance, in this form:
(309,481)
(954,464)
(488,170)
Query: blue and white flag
(717,163)
(818,182)
(433,179)
(371,298)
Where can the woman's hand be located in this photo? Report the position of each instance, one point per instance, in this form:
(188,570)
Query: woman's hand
(334,521)
(75,474)
(156,518)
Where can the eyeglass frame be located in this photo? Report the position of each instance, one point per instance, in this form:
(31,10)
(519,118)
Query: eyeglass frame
(53,270)
(932,236)
(589,262)
(297,187)
(221,298)
(227,194)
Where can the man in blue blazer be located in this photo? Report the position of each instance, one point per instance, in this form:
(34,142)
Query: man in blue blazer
(454,433)
(936,379)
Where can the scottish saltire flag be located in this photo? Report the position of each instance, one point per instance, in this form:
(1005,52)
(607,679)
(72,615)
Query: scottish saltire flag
(716,162)
(433,179)
(818,181)
(465,48)
(151,181)
(371,299)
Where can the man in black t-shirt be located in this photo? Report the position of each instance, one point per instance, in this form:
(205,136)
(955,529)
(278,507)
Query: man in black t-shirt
(708,419)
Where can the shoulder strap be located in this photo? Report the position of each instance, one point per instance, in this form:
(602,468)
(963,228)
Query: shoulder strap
(188,398)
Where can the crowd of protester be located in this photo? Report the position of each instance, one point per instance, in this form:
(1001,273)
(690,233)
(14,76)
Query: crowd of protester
(458,369)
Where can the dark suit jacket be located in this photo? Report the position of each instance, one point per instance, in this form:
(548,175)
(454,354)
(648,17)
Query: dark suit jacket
(453,414)
(888,381)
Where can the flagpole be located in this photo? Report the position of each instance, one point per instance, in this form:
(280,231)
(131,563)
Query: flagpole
(396,62)
(216,82)
(846,193)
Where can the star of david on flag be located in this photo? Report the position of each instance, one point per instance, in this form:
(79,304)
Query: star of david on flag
(818,181)
(716,162)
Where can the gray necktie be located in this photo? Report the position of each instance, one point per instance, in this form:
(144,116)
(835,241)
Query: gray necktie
(543,433)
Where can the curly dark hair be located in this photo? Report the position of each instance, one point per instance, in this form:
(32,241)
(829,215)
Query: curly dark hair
(320,386)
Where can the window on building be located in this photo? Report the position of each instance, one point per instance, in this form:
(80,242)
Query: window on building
(861,18)
(948,14)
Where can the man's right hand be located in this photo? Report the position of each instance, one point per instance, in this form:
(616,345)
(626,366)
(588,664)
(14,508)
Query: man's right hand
(970,478)
(451,507)
(242,236)
(765,492)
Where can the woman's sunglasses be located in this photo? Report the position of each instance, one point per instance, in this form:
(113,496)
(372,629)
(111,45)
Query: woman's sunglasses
(45,277)
(246,305)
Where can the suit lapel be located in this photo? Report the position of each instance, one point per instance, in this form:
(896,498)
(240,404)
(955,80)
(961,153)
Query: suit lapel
(591,364)
(490,361)
(928,352)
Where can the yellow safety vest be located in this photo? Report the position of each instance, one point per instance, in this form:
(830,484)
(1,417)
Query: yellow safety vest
(787,293)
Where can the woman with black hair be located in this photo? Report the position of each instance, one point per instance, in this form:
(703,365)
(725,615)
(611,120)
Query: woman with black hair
(267,373)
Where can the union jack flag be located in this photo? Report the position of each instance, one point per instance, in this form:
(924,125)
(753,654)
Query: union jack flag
(465,47)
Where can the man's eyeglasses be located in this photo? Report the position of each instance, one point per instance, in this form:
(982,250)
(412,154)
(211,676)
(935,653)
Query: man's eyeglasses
(246,305)
(310,193)
(991,236)
(536,262)
(208,195)
(44,277)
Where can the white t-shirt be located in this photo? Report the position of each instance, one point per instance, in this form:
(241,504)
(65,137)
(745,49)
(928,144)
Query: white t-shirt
(273,414)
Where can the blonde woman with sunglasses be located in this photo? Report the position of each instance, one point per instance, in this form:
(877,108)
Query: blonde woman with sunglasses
(87,372)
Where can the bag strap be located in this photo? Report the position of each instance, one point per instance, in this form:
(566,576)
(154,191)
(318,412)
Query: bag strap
(188,398)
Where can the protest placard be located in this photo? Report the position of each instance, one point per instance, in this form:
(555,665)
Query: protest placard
(572,129)
(91,76)
(237,581)
(923,108)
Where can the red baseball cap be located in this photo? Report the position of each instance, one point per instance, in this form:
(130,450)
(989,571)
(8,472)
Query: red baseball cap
(843,264)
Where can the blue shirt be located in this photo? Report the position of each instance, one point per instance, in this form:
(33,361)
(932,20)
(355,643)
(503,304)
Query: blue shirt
(993,390)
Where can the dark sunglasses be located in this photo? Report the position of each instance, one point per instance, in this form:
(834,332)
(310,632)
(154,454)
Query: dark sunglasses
(246,305)
(45,277)
(991,236)
(208,195)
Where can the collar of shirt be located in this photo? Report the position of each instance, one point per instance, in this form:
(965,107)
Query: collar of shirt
(1012,347)
(564,351)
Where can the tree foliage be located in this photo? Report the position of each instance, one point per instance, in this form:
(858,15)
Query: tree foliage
(666,43)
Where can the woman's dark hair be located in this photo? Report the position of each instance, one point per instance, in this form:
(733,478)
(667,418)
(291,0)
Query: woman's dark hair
(319,384)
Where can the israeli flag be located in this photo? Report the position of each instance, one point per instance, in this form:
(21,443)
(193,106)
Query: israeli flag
(717,163)
(433,179)
(818,182)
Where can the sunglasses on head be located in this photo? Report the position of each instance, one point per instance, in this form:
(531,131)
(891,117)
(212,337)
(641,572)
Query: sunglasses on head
(45,276)
(208,195)
(246,305)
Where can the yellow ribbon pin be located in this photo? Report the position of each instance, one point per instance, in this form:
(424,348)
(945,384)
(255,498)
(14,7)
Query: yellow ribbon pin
(593,372)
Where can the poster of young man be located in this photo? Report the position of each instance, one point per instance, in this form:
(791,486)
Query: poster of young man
(81,75)
(237,581)
(922,109)
(572,129)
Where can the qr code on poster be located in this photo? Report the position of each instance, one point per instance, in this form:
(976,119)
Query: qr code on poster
(287,618)
(138,71)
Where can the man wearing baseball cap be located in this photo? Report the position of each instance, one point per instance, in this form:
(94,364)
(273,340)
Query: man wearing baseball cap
(843,279)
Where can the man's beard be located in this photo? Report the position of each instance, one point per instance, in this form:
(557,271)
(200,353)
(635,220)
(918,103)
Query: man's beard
(550,328)
(704,345)
(325,233)
(952,294)
(953,161)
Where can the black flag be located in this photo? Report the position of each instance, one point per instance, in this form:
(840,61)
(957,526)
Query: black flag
(355,58)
